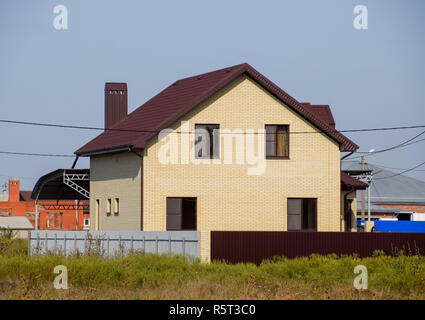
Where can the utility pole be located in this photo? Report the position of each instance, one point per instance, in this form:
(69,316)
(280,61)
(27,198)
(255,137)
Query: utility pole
(363,195)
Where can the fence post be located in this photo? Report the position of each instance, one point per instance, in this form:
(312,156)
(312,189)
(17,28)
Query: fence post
(64,243)
(169,244)
(156,244)
(55,247)
(132,238)
(119,246)
(29,243)
(107,246)
(144,244)
(45,242)
(38,242)
(184,245)
(75,243)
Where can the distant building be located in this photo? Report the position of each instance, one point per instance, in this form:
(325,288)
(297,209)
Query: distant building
(19,225)
(63,215)
(392,196)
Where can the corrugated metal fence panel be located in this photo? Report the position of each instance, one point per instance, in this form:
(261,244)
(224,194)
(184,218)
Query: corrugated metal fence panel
(113,243)
(255,246)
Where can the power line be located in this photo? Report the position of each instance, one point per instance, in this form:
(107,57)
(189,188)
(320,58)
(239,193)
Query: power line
(400,173)
(399,168)
(188,132)
(396,146)
(37,154)
(401,145)
(71,156)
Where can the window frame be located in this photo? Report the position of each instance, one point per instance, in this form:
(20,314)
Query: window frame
(116,206)
(302,215)
(108,206)
(276,141)
(212,155)
(181,214)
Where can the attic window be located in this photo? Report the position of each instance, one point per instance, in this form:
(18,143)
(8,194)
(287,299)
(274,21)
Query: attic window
(277,141)
(207,141)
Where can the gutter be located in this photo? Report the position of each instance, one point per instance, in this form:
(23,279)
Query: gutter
(104,151)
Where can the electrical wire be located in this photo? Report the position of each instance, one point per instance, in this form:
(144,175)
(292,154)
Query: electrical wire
(37,154)
(156,131)
(400,173)
(385,167)
(396,146)
(401,145)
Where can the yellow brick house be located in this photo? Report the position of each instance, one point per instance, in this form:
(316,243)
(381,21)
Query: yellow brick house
(224,150)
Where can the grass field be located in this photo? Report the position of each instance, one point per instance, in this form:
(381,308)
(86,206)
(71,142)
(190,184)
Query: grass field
(142,276)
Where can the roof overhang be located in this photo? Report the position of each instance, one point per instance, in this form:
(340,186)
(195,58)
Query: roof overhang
(349,183)
(52,186)
(105,151)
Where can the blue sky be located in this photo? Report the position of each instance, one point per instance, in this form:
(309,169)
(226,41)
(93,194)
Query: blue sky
(370,78)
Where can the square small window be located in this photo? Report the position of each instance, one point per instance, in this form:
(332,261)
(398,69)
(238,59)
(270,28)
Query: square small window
(87,222)
(117,206)
(302,214)
(181,213)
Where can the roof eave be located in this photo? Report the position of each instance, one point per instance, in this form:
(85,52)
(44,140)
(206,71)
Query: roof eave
(95,152)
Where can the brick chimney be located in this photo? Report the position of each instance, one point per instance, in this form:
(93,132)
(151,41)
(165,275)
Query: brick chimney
(13,190)
(115,102)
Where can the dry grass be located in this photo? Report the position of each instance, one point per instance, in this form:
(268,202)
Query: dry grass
(196,290)
(140,276)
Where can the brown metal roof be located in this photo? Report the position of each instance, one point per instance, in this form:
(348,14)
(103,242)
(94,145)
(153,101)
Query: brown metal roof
(350,183)
(321,111)
(172,103)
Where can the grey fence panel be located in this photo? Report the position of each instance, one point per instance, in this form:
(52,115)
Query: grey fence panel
(113,243)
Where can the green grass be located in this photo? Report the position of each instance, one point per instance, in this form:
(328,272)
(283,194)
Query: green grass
(402,276)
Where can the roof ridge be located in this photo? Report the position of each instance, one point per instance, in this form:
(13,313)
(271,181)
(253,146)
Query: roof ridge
(210,72)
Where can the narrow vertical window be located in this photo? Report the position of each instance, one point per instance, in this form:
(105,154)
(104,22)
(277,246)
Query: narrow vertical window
(277,141)
(117,206)
(108,206)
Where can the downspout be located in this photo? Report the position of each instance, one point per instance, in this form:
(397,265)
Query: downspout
(345,196)
(343,211)
(347,155)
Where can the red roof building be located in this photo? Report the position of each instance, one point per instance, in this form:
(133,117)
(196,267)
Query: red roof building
(53,215)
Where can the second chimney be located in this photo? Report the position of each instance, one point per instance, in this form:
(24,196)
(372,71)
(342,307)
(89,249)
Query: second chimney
(115,102)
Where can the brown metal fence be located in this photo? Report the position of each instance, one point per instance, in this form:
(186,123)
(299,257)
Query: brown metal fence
(255,246)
